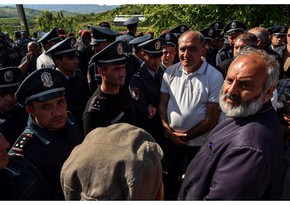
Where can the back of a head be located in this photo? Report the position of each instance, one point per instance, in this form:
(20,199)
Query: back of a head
(262,35)
(249,38)
(118,162)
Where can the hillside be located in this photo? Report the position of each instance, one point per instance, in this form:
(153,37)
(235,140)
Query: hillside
(33,10)
(11,12)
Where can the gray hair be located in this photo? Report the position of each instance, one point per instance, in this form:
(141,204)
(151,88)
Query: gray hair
(271,64)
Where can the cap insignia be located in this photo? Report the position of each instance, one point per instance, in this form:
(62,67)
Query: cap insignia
(120,49)
(182,29)
(8,76)
(157,45)
(210,32)
(46,79)
(282,30)
(216,25)
(233,25)
(167,36)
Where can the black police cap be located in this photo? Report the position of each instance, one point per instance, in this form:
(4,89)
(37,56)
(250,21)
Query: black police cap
(271,28)
(279,30)
(51,36)
(131,21)
(178,30)
(153,47)
(170,38)
(111,54)
(105,24)
(103,34)
(209,33)
(9,79)
(138,40)
(234,27)
(41,85)
(64,48)
(217,25)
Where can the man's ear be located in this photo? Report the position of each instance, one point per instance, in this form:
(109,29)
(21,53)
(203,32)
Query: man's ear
(268,93)
(29,109)
(101,71)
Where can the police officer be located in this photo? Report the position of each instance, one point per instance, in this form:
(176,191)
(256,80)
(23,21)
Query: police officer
(8,56)
(135,59)
(145,88)
(111,102)
(51,133)
(242,40)
(13,117)
(136,51)
(101,37)
(19,178)
(169,50)
(48,40)
(84,49)
(278,37)
(232,30)
(77,91)
(132,24)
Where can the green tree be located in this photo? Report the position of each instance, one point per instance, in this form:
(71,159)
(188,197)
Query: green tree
(45,21)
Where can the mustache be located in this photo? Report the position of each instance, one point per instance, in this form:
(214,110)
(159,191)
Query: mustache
(235,98)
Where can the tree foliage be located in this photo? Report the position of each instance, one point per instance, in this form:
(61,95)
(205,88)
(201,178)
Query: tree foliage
(167,16)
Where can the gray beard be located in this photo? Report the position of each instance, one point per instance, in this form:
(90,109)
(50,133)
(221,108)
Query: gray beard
(244,109)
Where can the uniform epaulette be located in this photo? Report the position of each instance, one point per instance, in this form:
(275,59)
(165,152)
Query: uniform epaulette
(139,73)
(21,142)
(98,103)
(223,48)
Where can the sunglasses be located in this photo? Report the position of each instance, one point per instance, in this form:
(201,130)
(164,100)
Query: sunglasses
(288,34)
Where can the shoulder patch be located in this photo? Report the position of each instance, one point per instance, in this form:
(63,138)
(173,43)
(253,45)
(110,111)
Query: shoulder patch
(21,142)
(98,103)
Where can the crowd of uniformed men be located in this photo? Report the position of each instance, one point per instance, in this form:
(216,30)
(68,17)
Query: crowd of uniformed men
(102,77)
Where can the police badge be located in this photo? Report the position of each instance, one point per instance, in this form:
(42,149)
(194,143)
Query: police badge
(120,49)
(157,45)
(46,79)
(8,76)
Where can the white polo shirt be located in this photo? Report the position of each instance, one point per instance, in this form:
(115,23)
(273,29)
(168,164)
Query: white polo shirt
(189,96)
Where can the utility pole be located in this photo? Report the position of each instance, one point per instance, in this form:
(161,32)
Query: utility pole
(23,21)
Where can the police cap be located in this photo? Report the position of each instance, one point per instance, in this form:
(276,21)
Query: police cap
(209,33)
(234,27)
(51,36)
(279,31)
(105,24)
(178,30)
(131,21)
(103,34)
(217,25)
(170,38)
(138,40)
(9,79)
(111,54)
(65,48)
(153,47)
(41,85)
(271,28)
